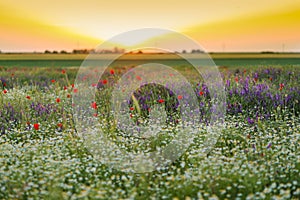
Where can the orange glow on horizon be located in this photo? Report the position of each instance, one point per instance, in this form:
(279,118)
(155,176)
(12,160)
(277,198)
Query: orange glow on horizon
(25,34)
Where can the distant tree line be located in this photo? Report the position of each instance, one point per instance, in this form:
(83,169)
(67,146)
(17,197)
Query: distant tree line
(55,52)
(193,51)
(87,51)
(108,51)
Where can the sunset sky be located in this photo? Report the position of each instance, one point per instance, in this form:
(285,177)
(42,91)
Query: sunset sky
(217,25)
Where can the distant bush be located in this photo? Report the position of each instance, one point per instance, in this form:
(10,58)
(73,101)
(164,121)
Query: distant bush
(267,52)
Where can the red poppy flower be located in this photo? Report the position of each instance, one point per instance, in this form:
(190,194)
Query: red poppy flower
(281,86)
(28,97)
(68,96)
(104,81)
(58,100)
(4,84)
(201,93)
(160,101)
(65,87)
(75,90)
(63,71)
(72,85)
(95,114)
(270,78)
(131,108)
(94,84)
(236,79)
(112,72)
(94,105)
(138,78)
(36,126)
(59,125)
(53,81)
(4,91)
(179,97)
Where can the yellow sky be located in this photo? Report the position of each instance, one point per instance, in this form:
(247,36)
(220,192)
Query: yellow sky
(231,25)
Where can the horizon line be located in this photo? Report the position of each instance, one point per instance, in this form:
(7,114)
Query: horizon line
(219,52)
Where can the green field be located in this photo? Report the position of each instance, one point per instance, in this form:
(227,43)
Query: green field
(221,59)
(256,155)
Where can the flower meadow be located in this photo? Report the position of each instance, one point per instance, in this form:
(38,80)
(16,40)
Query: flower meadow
(257,156)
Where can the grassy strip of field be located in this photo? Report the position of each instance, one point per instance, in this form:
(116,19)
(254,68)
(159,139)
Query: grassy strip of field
(41,56)
(220,59)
